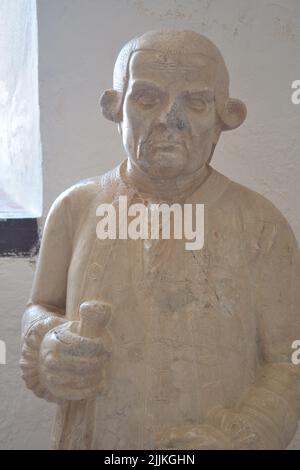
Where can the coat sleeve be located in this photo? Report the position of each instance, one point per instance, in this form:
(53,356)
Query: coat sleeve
(46,307)
(50,282)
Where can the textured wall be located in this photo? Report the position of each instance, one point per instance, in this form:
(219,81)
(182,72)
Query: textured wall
(79,40)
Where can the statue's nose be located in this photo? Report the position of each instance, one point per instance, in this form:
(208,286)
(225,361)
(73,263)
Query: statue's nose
(173,117)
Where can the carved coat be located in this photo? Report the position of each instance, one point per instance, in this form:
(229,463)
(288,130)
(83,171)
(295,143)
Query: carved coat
(191,329)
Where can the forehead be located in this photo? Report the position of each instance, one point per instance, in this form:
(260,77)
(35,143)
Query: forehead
(165,68)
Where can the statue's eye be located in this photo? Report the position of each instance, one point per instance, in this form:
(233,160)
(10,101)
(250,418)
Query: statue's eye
(197,103)
(146,99)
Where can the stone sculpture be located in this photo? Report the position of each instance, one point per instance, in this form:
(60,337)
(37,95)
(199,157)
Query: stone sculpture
(144,344)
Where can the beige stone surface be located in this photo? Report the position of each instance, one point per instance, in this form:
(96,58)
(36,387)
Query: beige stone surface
(144,344)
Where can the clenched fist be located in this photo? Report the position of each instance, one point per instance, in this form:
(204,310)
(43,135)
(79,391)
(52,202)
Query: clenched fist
(72,365)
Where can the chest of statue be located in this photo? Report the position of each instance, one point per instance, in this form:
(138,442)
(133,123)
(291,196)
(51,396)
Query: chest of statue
(182,327)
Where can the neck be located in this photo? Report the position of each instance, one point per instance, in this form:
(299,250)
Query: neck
(163,189)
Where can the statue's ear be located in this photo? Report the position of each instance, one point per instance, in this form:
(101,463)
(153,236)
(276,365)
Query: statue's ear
(233,114)
(111,102)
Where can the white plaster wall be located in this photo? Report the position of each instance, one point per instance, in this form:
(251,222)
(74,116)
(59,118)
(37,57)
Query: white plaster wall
(79,40)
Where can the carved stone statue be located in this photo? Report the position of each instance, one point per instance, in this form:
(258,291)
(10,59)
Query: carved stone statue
(144,344)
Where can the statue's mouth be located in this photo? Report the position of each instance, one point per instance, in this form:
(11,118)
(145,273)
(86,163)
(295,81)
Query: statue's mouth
(167,144)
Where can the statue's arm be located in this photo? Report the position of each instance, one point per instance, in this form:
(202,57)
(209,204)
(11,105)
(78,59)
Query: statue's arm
(267,415)
(46,307)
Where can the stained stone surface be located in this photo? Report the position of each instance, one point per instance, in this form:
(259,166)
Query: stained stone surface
(144,344)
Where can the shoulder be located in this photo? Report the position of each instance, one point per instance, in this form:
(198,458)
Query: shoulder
(75,202)
(261,220)
(81,194)
(254,205)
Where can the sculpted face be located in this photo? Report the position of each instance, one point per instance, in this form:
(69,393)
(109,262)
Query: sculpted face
(169,120)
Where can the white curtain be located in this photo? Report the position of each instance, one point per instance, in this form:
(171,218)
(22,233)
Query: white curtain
(20,148)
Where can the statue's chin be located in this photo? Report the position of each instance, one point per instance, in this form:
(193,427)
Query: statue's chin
(164,164)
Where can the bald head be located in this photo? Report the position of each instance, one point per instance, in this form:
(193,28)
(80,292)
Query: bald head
(169,43)
(171,101)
